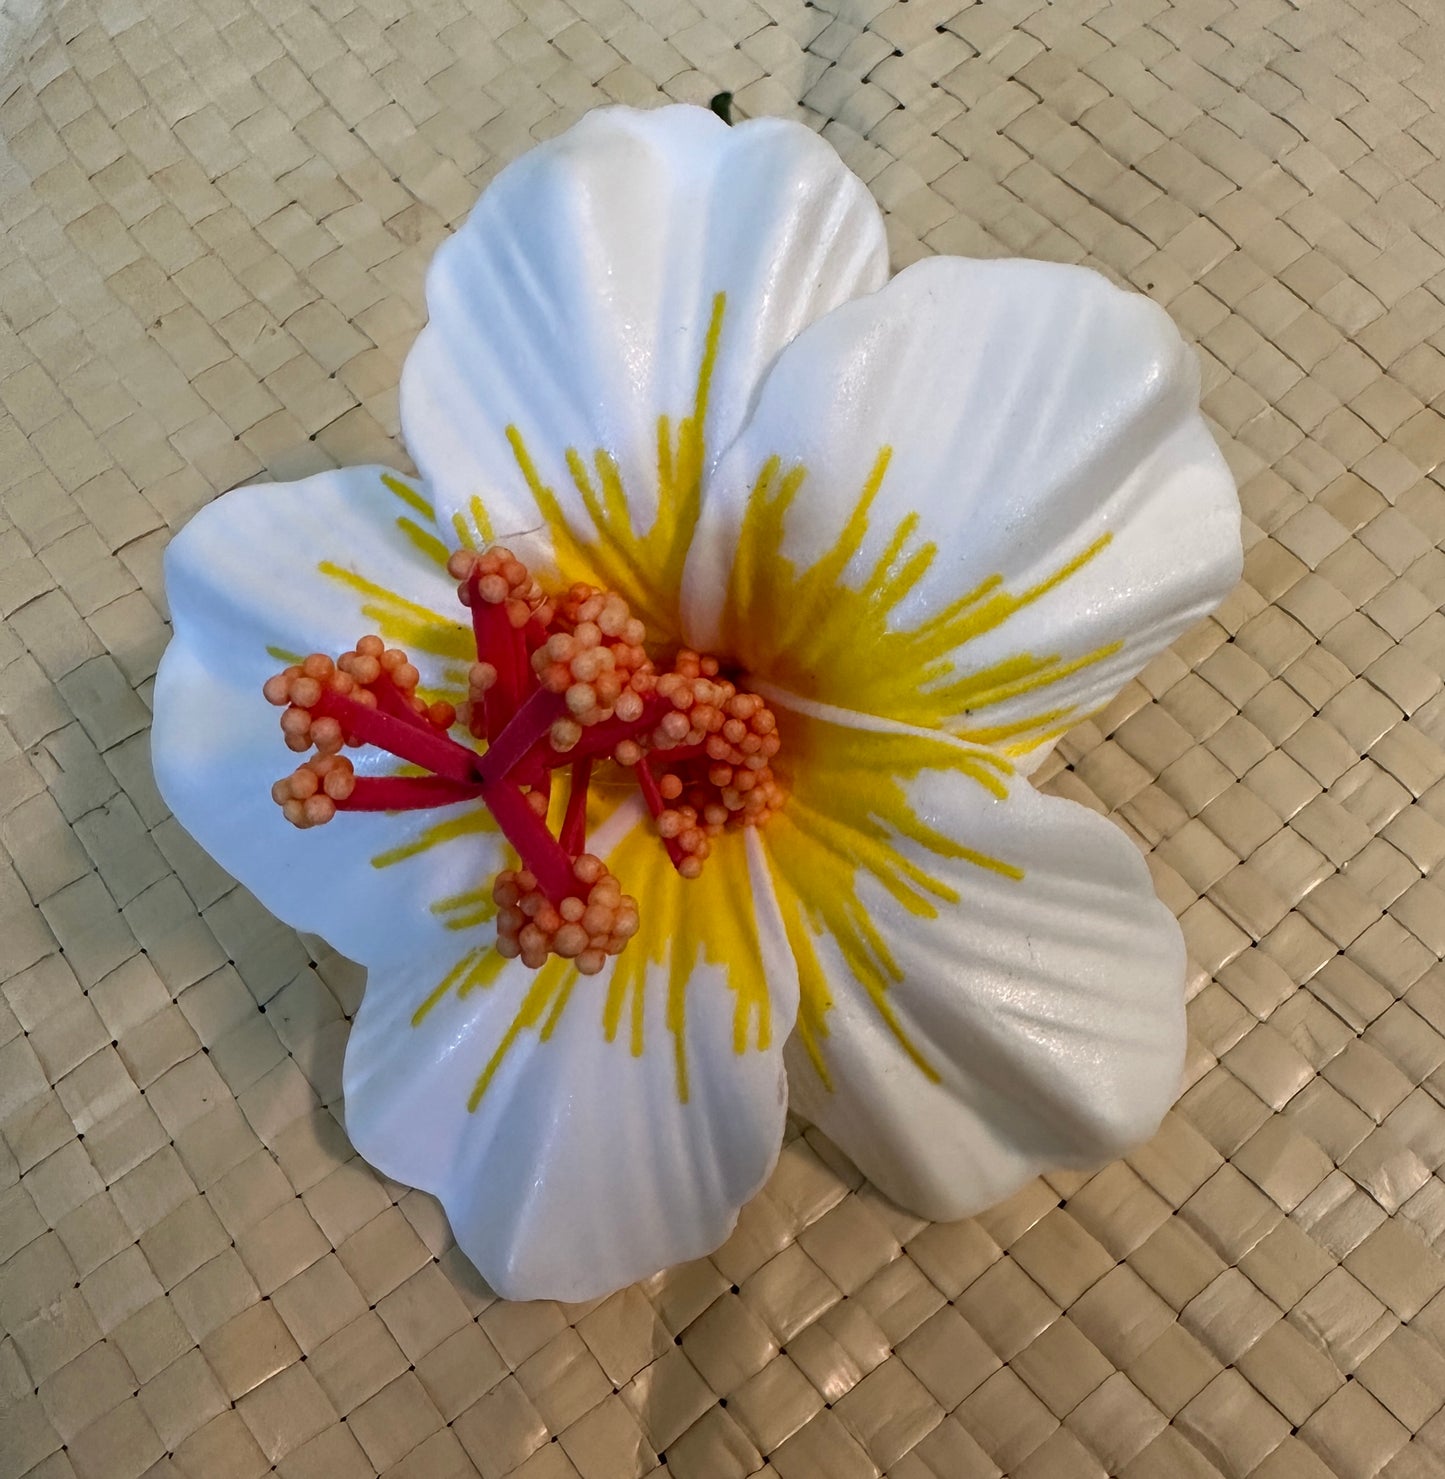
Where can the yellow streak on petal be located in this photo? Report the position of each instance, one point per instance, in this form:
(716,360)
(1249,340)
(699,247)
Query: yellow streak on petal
(815,1001)
(850,818)
(467,910)
(806,628)
(685,925)
(483,973)
(472,533)
(827,573)
(481,521)
(282,655)
(639,1008)
(1023,747)
(993,734)
(1024,674)
(605,548)
(559,1004)
(424,541)
(475,820)
(617,989)
(539,1005)
(664,451)
(421,536)
(404,622)
(407,494)
(1051,726)
(444,985)
(677,1026)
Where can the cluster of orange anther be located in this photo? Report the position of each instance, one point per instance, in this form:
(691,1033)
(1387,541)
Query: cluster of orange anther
(558,682)
(500,579)
(300,688)
(680,827)
(738,734)
(371,659)
(737,728)
(586,927)
(371,678)
(505,601)
(594,660)
(308,796)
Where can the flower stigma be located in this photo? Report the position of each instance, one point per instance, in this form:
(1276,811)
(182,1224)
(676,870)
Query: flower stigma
(559,681)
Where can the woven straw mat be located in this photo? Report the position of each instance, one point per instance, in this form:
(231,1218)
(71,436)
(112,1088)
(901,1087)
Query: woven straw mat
(214,220)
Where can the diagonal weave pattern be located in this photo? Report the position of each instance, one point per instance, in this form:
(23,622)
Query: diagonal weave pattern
(214,219)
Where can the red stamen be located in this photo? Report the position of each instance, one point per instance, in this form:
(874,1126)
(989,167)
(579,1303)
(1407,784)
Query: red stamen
(647,784)
(406,793)
(652,795)
(428,747)
(528,726)
(539,851)
(502,645)
(573,836)
(391,700)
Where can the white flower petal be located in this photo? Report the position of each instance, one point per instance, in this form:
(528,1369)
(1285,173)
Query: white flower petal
(1035,424)
(311,566)
(579,303)
(1033,1021)
(581,1168)
(241,577)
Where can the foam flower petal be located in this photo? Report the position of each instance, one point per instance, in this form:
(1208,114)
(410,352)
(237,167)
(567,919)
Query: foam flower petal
(1004,998)
(601,322)
(994,500)
(583,1133)
(257,578)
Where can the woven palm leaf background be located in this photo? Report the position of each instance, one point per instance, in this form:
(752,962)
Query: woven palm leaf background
(214,220)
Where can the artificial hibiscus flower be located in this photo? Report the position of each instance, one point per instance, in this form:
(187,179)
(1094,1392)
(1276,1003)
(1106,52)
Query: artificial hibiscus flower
(683,448)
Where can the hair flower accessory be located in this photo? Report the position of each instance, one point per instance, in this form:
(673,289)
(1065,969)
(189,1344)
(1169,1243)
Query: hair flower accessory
(662,750)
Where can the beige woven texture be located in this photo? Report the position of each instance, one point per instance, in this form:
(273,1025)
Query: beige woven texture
(214,220)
